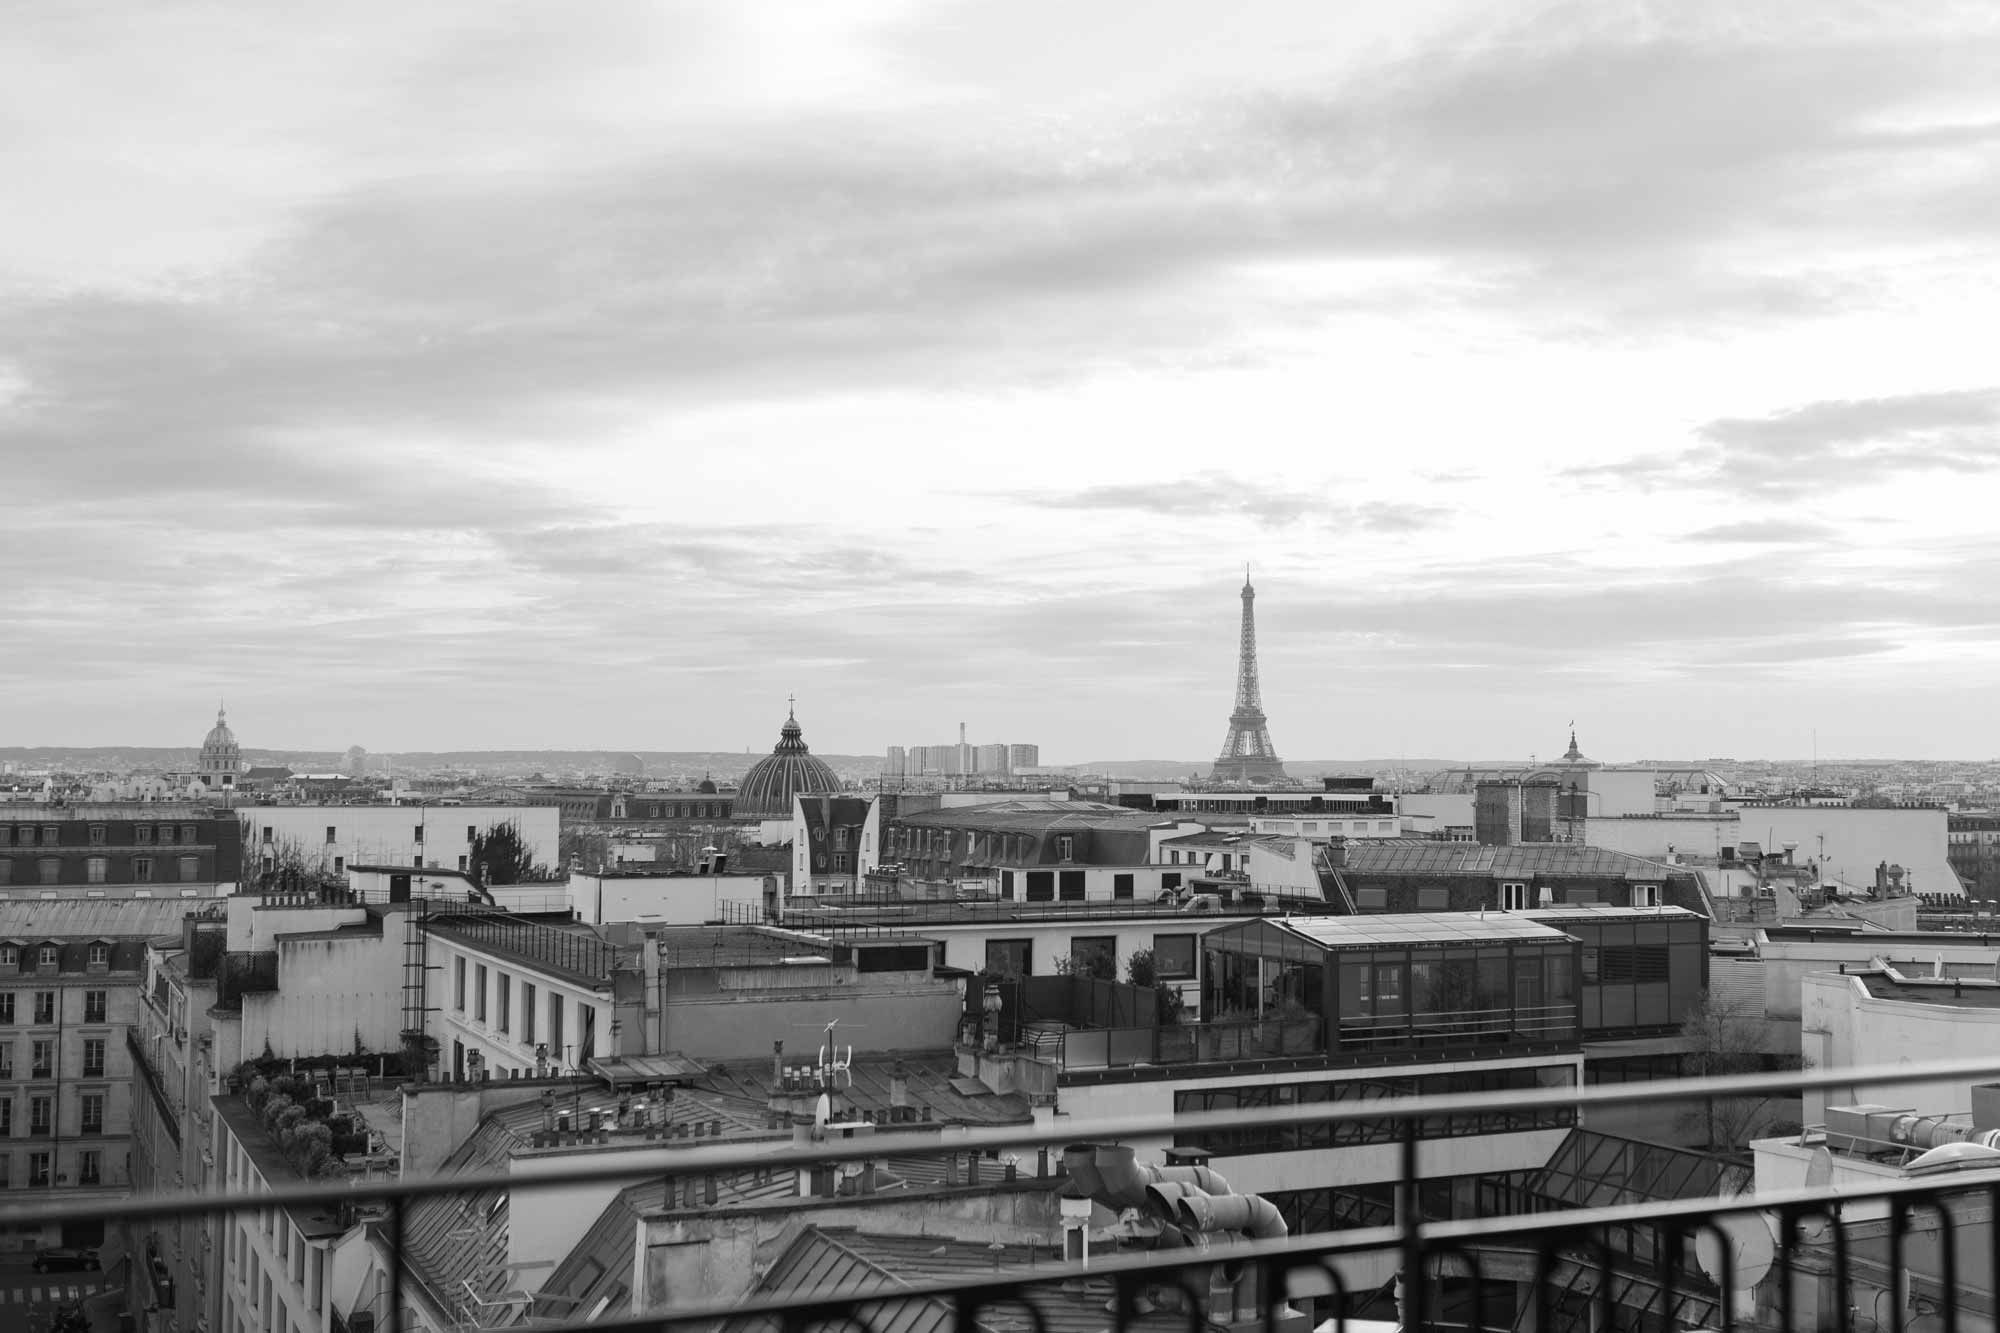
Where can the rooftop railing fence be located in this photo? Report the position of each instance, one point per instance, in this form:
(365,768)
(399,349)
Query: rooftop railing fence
(1838,1248)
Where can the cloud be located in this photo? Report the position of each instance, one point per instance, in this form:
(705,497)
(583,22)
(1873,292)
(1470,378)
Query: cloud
(1217,495)
(1839,444)
(1777,531)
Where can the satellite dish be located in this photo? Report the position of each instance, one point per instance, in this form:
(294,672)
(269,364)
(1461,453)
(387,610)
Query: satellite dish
(1819,1176)
(1752,1246)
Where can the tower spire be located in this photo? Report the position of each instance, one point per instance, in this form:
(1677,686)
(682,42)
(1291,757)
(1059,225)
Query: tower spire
(1247,753)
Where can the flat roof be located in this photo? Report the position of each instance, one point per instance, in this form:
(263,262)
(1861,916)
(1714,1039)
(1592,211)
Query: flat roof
(1609,912)
(1348,932)
(1945,994)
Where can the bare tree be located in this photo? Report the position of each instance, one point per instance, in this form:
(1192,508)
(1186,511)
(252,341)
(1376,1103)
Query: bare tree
(1724,1038)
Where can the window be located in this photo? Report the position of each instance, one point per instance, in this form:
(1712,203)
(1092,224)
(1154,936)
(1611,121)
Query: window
(479,992)
(1173,956)
(419,835)
(1513,897)
(44,1063)
(1433,900)
(142,834)
(48,956)
(38,1170)
(93,1113)
(93,1005)
(472,832)
(339,865)
(93,1057)
(462,859)
(26,839)
(1070,886)
(187,834)
(528,1013)
(458,984)
(90,1167)
(6,1007)
(41,1114)
(267,835)
(1372,900)
(167,834)
(49,869)
(503,995)
(1010,958)
(329,833)
(9,956)
(556,1028)
(1121,886)
(6,1061)
(142,869)
(840,838)
(1645,895)
(190,869)
(1066,848)
(99,955)
(97,835)
(45,1006)
(6,1121)
(1094,956)
(1041,886)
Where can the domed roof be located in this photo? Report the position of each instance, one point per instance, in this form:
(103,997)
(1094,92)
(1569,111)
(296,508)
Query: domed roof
(220,737)
(706,787)
(789,770)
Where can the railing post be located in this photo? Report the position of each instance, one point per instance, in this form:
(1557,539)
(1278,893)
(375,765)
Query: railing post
(396,1264)
(1412,1313)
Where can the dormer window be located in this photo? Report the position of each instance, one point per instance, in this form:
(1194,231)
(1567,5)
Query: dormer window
(50,955)
(9,956)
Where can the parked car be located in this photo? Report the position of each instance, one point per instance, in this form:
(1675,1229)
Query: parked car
(65,1260)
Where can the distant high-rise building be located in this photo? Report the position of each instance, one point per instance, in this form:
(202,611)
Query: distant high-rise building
(897,763)
(1024,756)
(992,759)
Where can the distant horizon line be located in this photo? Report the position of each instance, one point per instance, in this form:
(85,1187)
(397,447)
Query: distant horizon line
(528,752)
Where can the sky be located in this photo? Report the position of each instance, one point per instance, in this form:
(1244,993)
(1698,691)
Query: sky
(485,375)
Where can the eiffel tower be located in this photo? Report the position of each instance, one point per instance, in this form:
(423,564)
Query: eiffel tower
(1247,754)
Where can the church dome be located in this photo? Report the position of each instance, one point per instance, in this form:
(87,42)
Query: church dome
(706,787)
(789,770)
(220,755)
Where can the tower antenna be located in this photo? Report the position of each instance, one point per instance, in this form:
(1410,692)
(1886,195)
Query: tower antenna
(1247,753)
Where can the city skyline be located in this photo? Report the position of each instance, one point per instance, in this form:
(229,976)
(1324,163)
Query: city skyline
(486,378)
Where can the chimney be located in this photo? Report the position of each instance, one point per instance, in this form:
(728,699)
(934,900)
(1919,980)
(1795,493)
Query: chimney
(653,1031)
(899,1092)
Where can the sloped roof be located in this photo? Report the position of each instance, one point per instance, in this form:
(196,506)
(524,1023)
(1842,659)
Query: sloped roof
(97,918)
(823,1260)
(1405,856)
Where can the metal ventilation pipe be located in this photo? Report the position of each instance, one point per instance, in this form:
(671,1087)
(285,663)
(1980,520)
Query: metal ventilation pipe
(1080,1165)
(1252,1214)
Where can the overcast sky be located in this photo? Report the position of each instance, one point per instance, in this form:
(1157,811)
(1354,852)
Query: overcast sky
(482,375)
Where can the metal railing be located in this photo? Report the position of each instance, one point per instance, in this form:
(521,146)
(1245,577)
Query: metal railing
(1837,1253)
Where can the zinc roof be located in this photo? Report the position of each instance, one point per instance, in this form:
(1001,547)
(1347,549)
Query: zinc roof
(97,918)
(1411,857)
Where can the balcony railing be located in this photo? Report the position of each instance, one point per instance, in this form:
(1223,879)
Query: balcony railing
(1882,1257)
